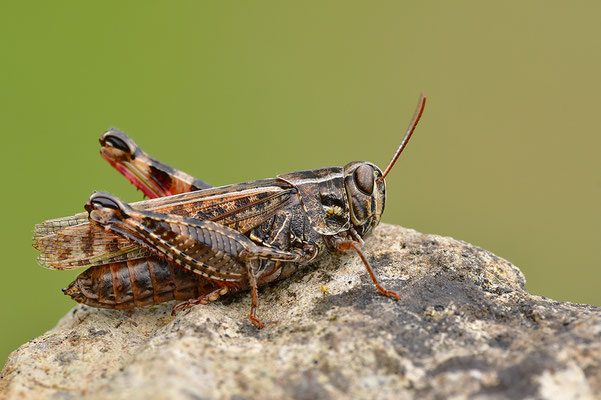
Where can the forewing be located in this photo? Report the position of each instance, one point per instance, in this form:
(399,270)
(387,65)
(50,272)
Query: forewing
(80,245)
(72,242)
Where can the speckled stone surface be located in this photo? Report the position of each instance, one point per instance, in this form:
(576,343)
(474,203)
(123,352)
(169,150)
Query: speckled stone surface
(464,327)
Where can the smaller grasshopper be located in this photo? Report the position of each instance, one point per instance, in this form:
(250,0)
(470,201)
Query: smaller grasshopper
(231,238)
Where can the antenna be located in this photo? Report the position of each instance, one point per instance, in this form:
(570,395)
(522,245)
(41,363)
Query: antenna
(418,114)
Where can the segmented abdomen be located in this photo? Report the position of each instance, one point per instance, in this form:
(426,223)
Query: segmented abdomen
(136,283)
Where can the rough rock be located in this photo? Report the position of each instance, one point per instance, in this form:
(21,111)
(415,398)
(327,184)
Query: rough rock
(464,327)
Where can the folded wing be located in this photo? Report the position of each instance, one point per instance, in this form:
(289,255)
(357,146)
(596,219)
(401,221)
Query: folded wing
(73,242)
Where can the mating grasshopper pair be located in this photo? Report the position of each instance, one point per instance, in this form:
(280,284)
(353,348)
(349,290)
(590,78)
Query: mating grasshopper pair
(194,242)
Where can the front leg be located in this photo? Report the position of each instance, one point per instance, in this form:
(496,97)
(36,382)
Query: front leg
(342,244)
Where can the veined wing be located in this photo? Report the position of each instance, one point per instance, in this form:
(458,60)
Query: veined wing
(54,225)
(80,245)
(72,242)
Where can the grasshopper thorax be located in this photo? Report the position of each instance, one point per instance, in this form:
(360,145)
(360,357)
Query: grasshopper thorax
(366,192)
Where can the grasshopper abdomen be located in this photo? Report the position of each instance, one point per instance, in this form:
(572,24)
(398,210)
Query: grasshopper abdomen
(136,283)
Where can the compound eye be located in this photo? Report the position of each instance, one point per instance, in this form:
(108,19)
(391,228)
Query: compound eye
(117,143)
(364,178)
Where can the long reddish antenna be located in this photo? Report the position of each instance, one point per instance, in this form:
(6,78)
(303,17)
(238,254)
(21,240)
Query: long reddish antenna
(418,114)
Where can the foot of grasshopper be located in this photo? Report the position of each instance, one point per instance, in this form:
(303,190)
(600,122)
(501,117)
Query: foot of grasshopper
(253,318)
(346,245)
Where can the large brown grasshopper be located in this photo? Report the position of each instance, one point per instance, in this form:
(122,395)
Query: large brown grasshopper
(227,238)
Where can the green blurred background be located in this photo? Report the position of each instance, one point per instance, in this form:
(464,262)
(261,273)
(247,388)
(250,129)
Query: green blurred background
(506,155)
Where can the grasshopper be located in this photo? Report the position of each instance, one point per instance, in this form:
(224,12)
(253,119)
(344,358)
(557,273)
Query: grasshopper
(195,242)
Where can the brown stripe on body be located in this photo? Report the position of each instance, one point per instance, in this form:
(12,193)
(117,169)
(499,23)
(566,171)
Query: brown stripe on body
(105,288)
(122,285)
(187,285)
(141,282)
(163,284)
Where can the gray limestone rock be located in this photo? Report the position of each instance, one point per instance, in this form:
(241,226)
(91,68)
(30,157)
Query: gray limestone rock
(464,327)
